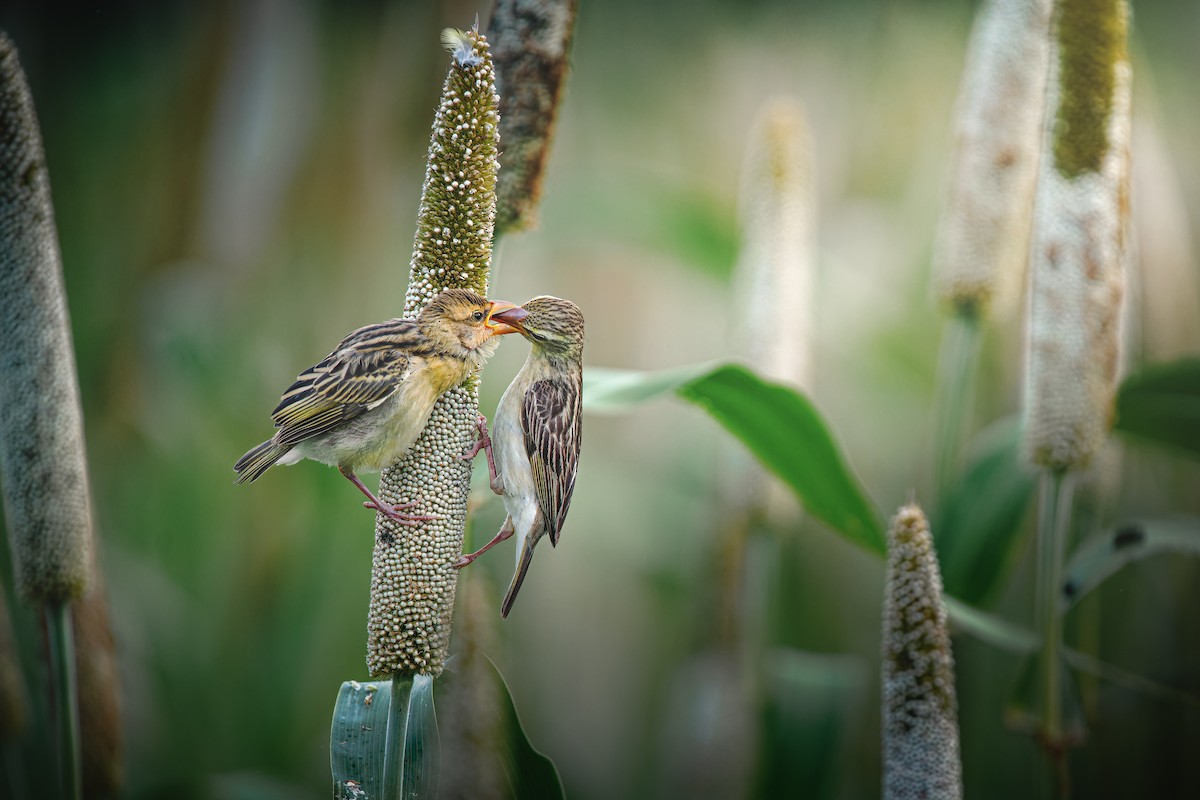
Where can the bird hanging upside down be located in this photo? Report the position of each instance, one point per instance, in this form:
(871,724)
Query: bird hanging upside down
(363,406)
(533,452)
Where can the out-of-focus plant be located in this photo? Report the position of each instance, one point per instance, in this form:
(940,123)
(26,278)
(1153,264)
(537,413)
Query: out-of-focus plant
(982,239)
(47,499)
(920,707)
(1077,288)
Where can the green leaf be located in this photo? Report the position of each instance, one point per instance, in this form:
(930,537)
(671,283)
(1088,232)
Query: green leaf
(1102,555)
(615,390)
(1162,404)
(420,754)
(809,701)
(979,523)
(787,434)
(358,751)
(357,741)
(989,628)
(532,774)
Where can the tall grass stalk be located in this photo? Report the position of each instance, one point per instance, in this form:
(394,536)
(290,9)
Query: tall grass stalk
(1054,520)
(957,366)
(61,638)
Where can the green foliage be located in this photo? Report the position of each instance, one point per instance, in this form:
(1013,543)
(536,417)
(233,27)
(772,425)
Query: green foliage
(358,739)
(377,727)
(530,773)
(1162,404)
(1106,553)
(808,703)
(787,434)
(980,519)
(776,423)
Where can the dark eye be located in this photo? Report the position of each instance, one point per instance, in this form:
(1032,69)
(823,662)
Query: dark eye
(477,316)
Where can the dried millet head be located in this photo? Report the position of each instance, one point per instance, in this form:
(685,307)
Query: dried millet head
(920,708)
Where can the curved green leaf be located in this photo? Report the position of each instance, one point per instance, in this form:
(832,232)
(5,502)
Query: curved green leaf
(1102,555)
(980,520)
(357,741)
(532,773)
(787,434)
(613,390)
(1162,404)
(420,756)
(989,628)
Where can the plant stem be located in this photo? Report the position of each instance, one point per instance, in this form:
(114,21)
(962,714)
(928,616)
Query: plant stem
(956,382)
(1054,517)
(62,669)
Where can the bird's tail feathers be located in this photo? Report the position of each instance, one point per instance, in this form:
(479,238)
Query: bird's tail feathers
(259,460)
(519,577)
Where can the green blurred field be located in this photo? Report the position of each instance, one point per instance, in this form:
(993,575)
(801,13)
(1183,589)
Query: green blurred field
(236,188)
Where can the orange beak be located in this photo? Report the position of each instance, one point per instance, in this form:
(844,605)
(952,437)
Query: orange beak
(505,317)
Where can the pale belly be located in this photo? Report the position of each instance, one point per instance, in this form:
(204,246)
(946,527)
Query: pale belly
(379,437)
(512,463)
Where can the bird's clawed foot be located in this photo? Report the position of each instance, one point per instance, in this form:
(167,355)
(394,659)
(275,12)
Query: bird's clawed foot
(506,530)
(395,512)
(482,440)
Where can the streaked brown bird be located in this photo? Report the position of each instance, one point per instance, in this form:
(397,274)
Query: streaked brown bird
(363,405)
(533,452)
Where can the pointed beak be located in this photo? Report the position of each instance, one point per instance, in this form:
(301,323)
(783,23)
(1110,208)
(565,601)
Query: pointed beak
(505,317)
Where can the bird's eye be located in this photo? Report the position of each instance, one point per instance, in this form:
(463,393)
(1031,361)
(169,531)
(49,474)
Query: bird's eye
(477,316)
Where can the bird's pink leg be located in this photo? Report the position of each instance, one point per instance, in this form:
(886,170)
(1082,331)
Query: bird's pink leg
(391,511)
(506,530)
(484,443)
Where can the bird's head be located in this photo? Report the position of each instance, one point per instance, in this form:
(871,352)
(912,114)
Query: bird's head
(460,322)
(552,324)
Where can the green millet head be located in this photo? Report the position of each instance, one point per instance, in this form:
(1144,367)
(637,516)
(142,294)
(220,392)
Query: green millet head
(46,496)
(920,708)
(413,581)
(1091,43)
(453,243)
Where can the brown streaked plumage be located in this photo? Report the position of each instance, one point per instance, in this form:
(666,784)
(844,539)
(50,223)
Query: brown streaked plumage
(363,405)
(533,452)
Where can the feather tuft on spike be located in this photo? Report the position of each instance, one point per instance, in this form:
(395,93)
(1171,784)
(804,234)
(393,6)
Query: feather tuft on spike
(461,46)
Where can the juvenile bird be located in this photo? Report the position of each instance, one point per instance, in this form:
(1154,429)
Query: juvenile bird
(365,403)
(533,452)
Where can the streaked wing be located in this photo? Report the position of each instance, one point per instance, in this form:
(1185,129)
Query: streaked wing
(551,419)
(366,369)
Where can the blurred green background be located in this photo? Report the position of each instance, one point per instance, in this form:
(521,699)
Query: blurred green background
(236,187)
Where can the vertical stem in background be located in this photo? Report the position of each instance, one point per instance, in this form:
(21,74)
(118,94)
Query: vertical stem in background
(956,392)
(62,668)
(530,40)
(1054,519)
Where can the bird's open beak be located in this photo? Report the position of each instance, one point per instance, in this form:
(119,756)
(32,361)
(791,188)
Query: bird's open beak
(505,317)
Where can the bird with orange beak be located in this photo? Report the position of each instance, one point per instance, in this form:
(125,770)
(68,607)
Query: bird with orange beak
(533,450)
(364,405)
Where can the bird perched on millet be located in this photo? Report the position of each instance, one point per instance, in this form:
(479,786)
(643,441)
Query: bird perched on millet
(533,452)
(363,405)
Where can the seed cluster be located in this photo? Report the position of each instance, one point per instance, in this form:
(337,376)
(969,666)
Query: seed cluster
(531,40)
(453,243)
(920,708)
(1078,285)
(776,267)
(982,240)
(412,580)
(46,495)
